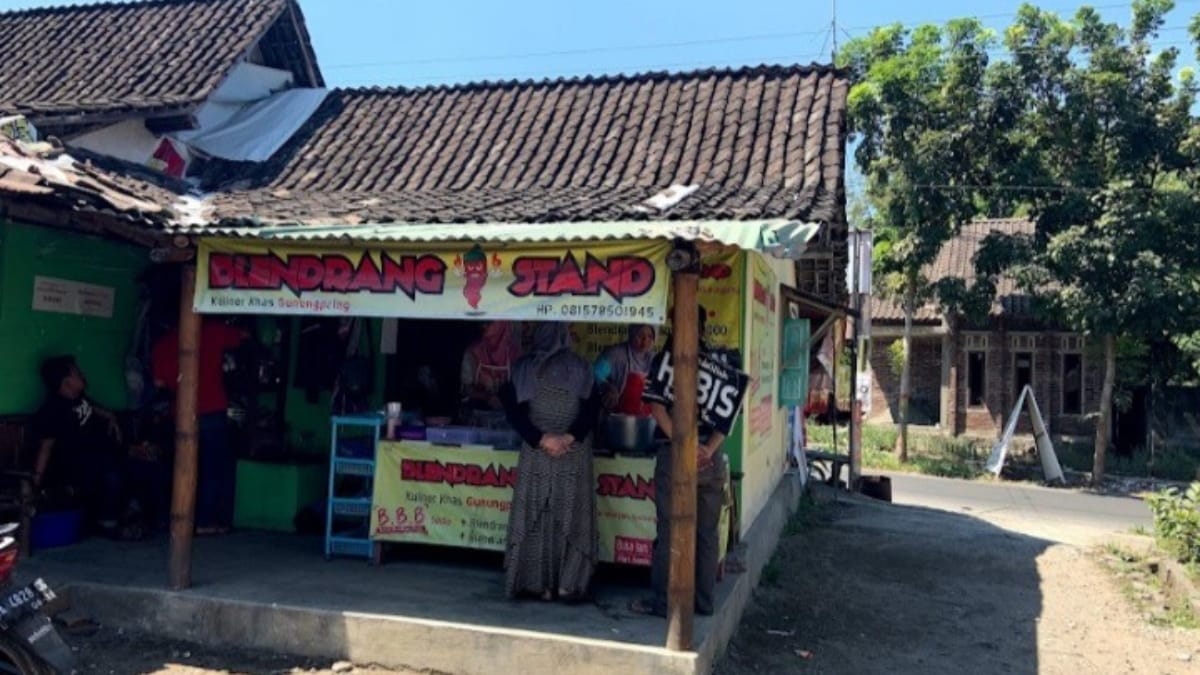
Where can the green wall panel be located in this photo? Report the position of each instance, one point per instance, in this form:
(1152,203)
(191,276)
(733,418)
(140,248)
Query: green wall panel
(28,336)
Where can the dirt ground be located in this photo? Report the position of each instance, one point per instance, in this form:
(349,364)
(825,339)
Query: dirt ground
(111,652)
(875,588)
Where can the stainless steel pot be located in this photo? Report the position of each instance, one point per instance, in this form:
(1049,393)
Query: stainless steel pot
(626,433)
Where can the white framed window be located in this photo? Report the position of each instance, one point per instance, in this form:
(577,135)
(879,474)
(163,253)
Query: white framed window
(1023,368)
(976,341)
(1023,342)
(1072,383)
(976,378)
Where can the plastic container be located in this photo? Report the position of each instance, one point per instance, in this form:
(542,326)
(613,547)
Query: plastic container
(501,439)
(452,435)
(412,433)
(54,530)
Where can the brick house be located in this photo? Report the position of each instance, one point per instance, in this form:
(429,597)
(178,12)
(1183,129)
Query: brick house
(966,376)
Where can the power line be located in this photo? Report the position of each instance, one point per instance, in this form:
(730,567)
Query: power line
(572,52)
(669,45)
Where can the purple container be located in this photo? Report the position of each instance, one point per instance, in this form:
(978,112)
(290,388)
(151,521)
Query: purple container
(452,435)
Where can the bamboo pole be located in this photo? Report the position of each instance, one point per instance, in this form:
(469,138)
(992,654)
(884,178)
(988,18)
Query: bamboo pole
(183,494)
(681,580)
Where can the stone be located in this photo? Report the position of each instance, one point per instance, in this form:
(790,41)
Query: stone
(342,667)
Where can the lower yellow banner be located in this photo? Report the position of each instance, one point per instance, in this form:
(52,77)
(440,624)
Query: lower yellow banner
(461,496)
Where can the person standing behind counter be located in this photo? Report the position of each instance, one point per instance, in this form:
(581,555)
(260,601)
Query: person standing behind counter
(486,367)
(713,473)
(622,368)
(550,402)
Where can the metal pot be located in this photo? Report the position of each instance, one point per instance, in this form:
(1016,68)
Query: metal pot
(626,433)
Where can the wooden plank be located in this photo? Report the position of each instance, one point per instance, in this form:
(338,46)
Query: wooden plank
(681,579)
(183,496)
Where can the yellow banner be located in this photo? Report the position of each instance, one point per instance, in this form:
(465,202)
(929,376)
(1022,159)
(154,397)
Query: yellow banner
(461,496)
(763,351)
(609,282)
(720,294)
(451,496)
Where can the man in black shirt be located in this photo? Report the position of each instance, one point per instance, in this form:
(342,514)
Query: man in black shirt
(712,476)
(80,454)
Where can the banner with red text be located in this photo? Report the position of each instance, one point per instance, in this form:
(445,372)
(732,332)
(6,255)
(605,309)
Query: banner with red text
(452,496)
(610,282)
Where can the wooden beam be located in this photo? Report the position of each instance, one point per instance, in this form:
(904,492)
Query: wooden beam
(183,494)
(49,122)
(681,578)
(309,67)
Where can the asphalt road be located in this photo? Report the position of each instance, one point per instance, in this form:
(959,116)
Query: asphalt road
(1056,514)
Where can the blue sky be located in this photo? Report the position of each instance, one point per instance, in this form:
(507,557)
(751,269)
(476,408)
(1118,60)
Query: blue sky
(404,42)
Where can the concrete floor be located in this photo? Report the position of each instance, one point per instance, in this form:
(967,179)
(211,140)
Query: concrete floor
(435,584)
(426,609)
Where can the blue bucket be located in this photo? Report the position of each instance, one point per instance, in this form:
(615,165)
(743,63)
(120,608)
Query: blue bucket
(53,530)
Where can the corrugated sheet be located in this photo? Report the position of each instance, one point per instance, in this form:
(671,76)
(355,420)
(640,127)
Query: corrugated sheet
(780,238)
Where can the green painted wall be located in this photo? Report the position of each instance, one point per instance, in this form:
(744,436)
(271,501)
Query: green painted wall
(26,336)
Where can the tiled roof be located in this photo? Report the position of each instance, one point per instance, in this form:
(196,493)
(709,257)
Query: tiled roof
(63,65)
(765,142)
(957,260)
(58,186)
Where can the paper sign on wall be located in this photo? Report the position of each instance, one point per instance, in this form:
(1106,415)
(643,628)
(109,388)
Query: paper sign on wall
(61,296)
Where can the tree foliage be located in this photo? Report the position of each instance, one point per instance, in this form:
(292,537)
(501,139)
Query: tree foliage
(1079,123)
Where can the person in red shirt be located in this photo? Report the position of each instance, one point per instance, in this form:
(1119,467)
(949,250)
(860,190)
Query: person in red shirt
(217,462)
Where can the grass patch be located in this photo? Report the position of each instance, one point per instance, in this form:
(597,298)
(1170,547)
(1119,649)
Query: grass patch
(930,454)
(1170,463)
(1144,590)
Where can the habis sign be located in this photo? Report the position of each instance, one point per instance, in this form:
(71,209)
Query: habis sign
(603,282)
(721,389)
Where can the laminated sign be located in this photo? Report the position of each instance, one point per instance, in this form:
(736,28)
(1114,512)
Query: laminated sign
(623,282)
(720,389)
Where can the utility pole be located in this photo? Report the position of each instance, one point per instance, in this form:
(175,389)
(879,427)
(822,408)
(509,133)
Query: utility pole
(855,402)
(833,32)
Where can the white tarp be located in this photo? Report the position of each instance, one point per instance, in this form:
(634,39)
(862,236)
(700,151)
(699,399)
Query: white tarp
(258,130)
(247,83)
(1051,470)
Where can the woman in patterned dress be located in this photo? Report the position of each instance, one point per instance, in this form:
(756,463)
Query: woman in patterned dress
(551,551)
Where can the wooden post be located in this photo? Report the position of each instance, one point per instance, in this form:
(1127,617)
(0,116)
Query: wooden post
(681,579)
(183,494)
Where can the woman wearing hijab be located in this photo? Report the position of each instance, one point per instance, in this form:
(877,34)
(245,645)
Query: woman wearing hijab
(551,549)
(621,371)
(486,366)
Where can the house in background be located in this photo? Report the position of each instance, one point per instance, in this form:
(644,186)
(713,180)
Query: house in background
(966,376)
(163,83)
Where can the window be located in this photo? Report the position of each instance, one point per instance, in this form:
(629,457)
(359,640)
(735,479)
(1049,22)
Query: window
(976,380)
(1022,372)
(1072,384)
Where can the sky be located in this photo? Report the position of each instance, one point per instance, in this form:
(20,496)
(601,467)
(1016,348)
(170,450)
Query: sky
(412,43)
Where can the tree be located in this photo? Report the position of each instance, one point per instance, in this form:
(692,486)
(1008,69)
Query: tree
(1104,144)
(919,113)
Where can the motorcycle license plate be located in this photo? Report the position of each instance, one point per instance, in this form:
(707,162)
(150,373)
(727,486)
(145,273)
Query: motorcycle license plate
(20,614)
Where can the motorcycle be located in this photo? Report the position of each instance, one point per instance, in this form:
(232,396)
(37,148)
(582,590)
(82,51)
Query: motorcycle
(29,643)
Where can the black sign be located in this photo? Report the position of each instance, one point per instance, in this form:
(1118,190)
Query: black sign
(720,389)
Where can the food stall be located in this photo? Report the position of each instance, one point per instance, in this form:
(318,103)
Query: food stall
(440,482)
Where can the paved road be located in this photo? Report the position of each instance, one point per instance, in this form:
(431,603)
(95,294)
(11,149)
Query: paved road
(1061,515)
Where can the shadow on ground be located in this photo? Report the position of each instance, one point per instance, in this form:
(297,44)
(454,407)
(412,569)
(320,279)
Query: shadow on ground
(867,587)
